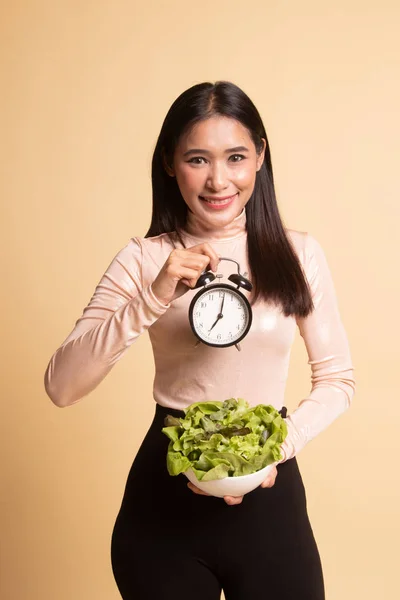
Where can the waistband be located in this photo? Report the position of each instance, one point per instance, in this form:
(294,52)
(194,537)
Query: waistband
(163,411)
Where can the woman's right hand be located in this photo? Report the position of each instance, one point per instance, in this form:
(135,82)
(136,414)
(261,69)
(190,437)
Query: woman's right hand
(182,269)
(231,500)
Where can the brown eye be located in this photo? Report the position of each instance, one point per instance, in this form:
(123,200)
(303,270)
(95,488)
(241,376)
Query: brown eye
(196,158)
(239,156)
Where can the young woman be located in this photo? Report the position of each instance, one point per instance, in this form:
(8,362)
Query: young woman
(213,196)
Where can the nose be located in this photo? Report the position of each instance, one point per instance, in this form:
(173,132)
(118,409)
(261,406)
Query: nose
(217,178)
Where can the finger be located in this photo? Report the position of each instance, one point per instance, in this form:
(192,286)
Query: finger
(208,251)
(231,500)
(188,276)
(197,490)
(269,481)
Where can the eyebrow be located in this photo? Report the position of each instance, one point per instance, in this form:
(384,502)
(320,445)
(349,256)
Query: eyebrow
(200,151)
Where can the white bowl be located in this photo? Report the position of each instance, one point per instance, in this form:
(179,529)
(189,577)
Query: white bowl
(231,486)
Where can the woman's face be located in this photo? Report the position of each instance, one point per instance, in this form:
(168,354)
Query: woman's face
(216,159)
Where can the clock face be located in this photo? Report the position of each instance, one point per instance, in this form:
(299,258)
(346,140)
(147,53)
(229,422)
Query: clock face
(205,317)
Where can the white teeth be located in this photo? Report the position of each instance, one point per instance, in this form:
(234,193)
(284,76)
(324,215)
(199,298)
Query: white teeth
(219,201)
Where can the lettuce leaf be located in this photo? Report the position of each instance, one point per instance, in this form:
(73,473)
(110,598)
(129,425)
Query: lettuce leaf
(224,439)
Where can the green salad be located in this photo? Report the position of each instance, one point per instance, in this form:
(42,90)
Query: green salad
(224,439)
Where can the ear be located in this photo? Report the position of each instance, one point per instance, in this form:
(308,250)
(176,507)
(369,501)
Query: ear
(167,167)
(261,156)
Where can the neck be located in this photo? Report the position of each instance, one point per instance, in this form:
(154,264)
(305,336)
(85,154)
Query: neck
(197,229)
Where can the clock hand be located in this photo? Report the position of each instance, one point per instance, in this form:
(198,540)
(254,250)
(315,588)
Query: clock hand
(218,318)
(220,313)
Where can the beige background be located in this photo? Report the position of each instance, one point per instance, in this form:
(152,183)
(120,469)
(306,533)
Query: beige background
(85,87)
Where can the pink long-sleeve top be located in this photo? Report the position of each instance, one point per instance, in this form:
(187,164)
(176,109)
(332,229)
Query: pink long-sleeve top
(124,306)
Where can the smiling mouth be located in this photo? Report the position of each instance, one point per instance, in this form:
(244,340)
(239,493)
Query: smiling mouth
(219,200)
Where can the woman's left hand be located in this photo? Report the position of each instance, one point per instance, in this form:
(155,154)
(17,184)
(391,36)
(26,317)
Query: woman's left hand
(268,482)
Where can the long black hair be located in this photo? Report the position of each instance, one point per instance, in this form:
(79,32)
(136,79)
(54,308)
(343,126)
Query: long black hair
(276,271)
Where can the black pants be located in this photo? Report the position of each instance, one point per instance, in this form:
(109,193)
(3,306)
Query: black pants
(169,543)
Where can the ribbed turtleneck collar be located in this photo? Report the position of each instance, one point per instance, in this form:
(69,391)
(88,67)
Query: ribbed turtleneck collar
(196,230)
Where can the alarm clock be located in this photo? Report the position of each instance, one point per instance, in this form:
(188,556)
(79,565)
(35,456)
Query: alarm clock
(220,315)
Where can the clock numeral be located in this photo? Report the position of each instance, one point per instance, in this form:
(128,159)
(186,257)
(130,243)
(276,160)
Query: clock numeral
(203,305)
(201,325)
(198,313)
(219,336)
(230,334)
(211,296)
(238,327)
(221,294)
